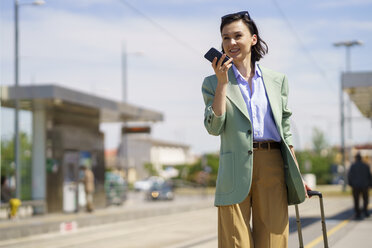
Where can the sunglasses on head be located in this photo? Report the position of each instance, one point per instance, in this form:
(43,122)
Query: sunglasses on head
(241,14)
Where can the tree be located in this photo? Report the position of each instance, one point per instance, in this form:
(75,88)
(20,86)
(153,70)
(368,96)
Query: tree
(191,172)
(319,159)
(149,167)
(319,141)
(8,163)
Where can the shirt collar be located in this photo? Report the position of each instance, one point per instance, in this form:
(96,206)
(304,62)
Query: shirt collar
(239,76)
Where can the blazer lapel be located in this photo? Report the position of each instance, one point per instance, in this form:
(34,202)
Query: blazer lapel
(235,95)
(272,89)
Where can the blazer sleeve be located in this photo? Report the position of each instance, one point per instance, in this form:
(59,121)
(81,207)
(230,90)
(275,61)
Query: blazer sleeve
(286,114)
(213,123)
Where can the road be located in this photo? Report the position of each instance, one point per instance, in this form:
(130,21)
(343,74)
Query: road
(192,229)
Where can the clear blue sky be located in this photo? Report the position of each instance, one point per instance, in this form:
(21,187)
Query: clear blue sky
(77,44)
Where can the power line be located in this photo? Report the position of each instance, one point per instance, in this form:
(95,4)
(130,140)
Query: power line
(303,47)
(161,28)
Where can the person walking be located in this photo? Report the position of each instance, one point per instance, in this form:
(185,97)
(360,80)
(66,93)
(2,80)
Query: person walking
(88,181)
(359,178)
(6,197)
(246,105)
(6,192)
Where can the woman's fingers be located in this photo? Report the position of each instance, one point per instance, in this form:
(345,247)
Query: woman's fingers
(219,64)
(219,68)
(229,62)
(214,65)
(307,188)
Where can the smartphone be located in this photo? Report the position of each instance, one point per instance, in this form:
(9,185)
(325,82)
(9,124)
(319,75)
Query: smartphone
(212,53)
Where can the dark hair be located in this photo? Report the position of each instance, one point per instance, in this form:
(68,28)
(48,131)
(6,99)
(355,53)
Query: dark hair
(258,50)
(358,157)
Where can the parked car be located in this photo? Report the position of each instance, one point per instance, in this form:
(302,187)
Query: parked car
(145,184)
(160,191)
(116,189)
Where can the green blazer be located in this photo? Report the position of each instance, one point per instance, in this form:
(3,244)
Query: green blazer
(235,130)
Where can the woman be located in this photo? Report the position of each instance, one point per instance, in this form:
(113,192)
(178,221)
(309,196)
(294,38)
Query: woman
(246,105)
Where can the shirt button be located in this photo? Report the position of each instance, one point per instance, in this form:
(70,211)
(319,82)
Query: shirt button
(250,152)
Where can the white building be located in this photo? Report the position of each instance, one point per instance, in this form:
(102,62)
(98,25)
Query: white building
(142,149)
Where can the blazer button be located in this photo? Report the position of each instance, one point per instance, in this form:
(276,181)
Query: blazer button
(249,132)
(250,152)
(209,121)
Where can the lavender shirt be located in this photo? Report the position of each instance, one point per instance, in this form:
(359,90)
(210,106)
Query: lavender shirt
(263,124)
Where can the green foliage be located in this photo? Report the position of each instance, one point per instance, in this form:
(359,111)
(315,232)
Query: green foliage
(319,160)
(319,165)
(192,172)
(319,141)
(213,162)
(8,163)
(149,167)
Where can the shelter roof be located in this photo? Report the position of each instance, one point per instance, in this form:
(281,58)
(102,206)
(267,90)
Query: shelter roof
(358,85)
(49,96)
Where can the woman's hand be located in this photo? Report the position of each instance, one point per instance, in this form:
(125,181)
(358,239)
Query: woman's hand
(222,69)
(307,188)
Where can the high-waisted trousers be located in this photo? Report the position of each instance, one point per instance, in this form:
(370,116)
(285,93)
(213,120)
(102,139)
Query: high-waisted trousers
(261,220)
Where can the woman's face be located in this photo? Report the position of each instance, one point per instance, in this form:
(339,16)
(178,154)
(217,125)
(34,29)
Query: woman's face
(237,40)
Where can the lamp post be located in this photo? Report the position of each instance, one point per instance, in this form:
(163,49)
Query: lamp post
(125,100)
(124,74)
(347,45)
(17,5)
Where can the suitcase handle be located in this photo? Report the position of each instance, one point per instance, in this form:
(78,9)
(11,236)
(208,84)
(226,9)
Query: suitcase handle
(324,229)
(312,193)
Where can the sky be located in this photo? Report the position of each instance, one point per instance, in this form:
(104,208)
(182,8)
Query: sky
(79,44)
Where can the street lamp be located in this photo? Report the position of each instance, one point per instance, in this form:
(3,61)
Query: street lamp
(17,5)
(347,45)
(124,59)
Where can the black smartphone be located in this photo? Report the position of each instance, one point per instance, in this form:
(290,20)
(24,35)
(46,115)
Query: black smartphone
(212,53)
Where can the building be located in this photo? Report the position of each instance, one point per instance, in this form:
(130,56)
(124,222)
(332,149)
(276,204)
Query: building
(66,135)
(142,150)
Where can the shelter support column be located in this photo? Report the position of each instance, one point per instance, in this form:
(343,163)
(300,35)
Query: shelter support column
(38,153)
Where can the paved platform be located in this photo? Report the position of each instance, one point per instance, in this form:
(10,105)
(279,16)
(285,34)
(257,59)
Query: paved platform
(12,229)
(343,230)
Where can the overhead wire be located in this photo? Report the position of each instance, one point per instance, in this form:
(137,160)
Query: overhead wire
(299,41)
(161,28)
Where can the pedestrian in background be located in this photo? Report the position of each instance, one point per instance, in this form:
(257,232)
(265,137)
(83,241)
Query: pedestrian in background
(246,105)
(88,181)
(359,177)
(6,197)
(6,192)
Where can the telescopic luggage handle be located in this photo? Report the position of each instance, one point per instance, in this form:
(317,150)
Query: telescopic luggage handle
(312,193)
(324,229)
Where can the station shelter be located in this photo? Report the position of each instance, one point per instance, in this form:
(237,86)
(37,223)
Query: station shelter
(66,135)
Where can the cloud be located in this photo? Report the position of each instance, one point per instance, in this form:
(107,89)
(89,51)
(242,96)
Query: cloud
(83,51)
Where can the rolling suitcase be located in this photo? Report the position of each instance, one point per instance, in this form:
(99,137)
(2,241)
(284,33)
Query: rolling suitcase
(325,239)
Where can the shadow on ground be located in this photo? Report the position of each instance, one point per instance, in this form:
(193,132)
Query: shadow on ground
(307,221)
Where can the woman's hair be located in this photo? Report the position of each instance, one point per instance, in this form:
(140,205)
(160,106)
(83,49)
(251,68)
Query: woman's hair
(258,50)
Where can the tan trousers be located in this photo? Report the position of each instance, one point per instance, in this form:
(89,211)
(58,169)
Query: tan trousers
(267,202)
